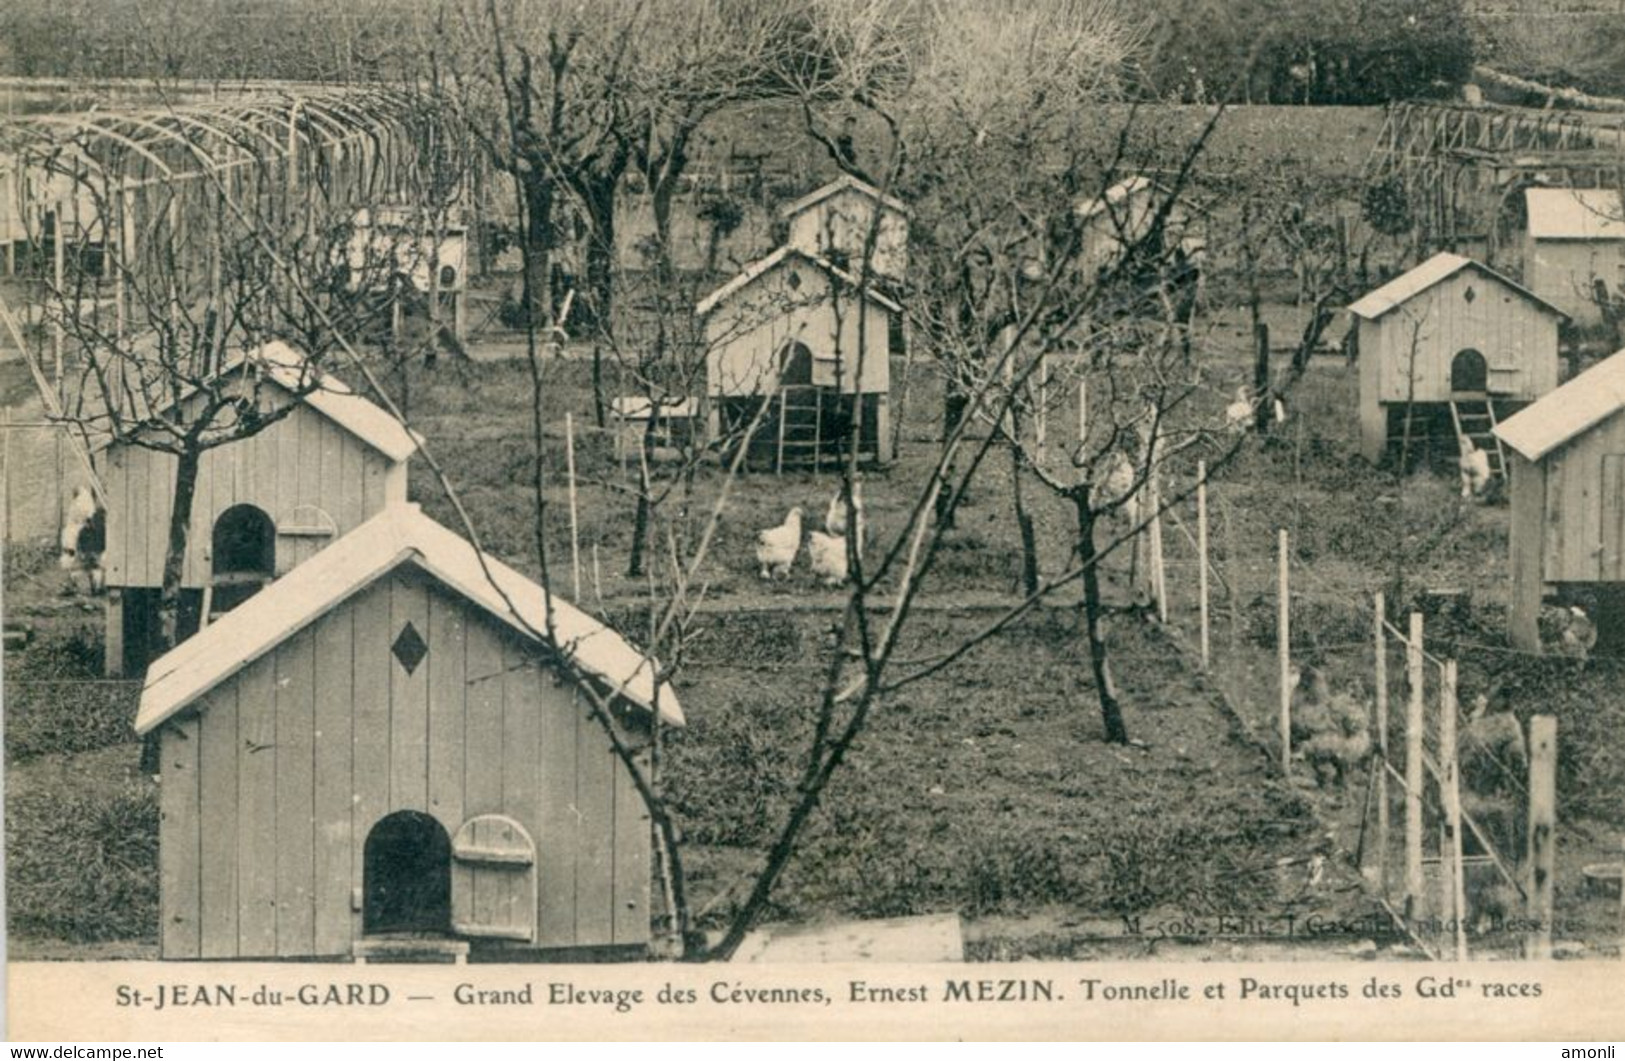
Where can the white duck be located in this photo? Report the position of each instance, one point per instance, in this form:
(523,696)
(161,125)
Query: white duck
(777,547)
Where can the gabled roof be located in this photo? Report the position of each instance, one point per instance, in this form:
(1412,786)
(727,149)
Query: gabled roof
(323,392)
(1401,289)
(1571,410)
(1116,195)
(1575,213)
(399,534)
(840,184)
(760,268)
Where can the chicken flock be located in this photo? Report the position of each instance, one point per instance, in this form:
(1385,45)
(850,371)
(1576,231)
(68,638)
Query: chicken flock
(777,548)
(1331,730)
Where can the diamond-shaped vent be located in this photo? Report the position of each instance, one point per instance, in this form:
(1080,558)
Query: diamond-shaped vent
(409,647)
(1469,295)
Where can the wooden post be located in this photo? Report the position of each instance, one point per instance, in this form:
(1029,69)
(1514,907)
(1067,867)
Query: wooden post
(1542,833)
(1201,559)
(1454,887)
(575,530)
(818,429)
(1380,617)
(778,463)
(113,643)
(1283,637)
(1413,769)
(57,272)
(597,583)
(5,467)
(1159,574)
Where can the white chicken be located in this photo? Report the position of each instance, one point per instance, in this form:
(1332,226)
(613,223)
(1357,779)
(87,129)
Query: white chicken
(777,547)
(1475,469)
(1238,415)
(1579,635)
(838,520)
(828,555)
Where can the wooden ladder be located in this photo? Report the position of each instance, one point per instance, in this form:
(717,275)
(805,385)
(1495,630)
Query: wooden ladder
(1476,420)
(796,422)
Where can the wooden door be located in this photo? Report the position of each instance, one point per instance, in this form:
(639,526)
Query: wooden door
(493,880)
(1613,517)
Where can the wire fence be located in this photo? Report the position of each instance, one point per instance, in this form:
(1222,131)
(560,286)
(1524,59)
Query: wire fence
(1342,693)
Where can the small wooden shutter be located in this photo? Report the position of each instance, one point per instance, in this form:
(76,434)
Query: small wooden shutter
(493,879)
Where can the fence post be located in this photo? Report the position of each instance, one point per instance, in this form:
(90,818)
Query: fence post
(1201,561)
(1380,618)
(1542,830)
(5,467)
(1450,783)
(1283,636)
(1159,574)
(575,530)
(597,583)
(1413,769)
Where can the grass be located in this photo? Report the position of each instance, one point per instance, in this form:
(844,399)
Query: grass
(82,848)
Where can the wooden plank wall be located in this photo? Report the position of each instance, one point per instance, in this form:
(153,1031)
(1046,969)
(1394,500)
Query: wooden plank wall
(304,459)
(1528,498)
(270,791)
(1499,322)
(1575,512)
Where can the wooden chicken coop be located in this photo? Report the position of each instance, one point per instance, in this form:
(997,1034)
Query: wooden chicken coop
(1567,455)
(1124,214)
(383,755)
(838,221)
(1446,351)
(1575,240)
(396,251)
(798,357)
(264,504)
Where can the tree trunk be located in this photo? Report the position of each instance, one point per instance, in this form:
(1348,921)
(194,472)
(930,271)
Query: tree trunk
(598,385)
(640,520)
(1261,375)
(1111,712)
(1024,526)
(169,594)
(180,525)
(538,251)
(598,193)
(662,192)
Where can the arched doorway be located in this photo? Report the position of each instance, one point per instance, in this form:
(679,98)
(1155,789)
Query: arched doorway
(406,876)
(795,365)
(1469,372)
(243,554)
